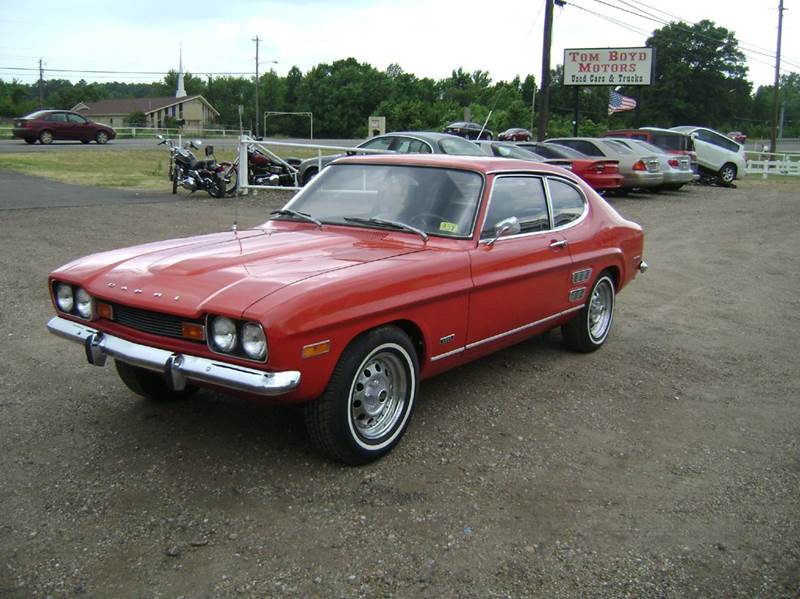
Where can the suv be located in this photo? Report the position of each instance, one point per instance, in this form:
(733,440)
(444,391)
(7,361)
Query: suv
(670,141)
(48,125)
(717,154)
(468,130)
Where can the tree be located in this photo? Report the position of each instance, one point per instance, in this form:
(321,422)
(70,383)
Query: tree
(137,118)
(700,77)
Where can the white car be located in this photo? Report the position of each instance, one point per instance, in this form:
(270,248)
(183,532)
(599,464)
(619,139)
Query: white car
(716,153)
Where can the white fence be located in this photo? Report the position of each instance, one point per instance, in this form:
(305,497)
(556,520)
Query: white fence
(144,132)
(246,140)
(766,163)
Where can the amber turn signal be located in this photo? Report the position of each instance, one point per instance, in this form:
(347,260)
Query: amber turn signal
(105,311)
(316,349)
(195,332)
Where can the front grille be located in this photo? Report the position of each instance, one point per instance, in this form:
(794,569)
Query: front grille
(151,322)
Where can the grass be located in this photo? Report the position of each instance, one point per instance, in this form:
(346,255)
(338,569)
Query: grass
(144,170)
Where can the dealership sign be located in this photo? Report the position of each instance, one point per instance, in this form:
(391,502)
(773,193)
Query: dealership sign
(608,66)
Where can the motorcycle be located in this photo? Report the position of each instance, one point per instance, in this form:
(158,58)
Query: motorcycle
(186,171)
(262,170)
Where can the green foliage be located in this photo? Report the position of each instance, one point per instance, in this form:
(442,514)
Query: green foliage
(700,78)
(136,118)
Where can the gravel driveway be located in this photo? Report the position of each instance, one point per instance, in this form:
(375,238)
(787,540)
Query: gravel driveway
(666,465)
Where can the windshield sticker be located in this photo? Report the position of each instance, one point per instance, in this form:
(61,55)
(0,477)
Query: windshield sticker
(449,227)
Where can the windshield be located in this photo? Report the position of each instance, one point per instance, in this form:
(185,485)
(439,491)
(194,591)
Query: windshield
(650,147)
(438,201)
(36,115)
(618,146)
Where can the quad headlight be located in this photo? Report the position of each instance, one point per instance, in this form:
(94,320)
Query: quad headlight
(244,339)
(73,300)
(64,298)
(254,342)
(223,334)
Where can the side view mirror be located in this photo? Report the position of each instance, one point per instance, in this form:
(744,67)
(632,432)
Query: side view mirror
(507,226)
(209,150)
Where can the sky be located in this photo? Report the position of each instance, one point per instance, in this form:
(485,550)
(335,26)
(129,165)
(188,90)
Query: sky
(429,38)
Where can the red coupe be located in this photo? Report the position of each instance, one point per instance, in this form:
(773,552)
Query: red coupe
(385,270)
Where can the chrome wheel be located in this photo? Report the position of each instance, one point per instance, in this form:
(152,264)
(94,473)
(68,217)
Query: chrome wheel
(728,174)
(102,137)
(601,310)
(46,137)
(379,393)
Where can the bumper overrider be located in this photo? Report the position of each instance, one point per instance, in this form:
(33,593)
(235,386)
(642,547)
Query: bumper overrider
(177,368)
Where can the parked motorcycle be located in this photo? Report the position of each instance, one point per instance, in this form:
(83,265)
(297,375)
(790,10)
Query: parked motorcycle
(262,170)
(190,173)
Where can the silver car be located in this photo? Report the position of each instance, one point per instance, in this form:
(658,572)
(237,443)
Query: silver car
(639,170)
(677,169)
(411,142)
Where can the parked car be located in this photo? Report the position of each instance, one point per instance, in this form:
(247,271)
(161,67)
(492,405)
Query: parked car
(384,271)
(403,142)
(639,170)
(676,169)
(602,174)
(515,134)
(506,149)
(468,130)
(46,126)
(670,141)
(738,137)
(717,155)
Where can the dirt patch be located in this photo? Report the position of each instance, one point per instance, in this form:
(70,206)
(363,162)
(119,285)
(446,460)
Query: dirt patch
(664,465)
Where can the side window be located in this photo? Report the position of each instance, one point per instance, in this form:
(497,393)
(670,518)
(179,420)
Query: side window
(522,197)
(723,142)
(74,118)
(567,202)
(588,148)
(379,143)
(415,146)
(58,117)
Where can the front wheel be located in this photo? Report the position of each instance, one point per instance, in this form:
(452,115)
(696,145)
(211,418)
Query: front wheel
(589,330)
(101,138)
(369,400)
(217,187)
(150,385)
(727,173)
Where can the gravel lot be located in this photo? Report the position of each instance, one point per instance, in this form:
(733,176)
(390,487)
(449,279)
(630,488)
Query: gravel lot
(665,465)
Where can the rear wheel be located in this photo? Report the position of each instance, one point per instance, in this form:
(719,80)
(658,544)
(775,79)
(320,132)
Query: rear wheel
(370,397)
(589,330)
(46,137)
(310,174)
(150,385)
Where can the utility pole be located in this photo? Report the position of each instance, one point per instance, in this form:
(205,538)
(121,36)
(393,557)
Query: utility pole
(41,85)
(773,146)
(544,107)
(256,40)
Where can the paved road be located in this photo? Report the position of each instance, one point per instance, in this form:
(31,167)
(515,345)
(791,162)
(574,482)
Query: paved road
(145,143)
(23,191)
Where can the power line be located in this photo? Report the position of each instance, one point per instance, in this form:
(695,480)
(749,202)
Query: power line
(111,72)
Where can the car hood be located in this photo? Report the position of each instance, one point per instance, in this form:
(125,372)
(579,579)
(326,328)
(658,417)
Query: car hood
(225,272)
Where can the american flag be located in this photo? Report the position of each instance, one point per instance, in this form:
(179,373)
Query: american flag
(619,103)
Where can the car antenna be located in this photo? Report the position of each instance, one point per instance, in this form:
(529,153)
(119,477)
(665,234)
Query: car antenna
(488,116)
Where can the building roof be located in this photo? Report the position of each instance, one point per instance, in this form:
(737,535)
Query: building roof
(128,105)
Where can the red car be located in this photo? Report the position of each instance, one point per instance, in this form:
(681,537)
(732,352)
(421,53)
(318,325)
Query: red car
(515,134)
(49,125)
(385,270)
(601,174)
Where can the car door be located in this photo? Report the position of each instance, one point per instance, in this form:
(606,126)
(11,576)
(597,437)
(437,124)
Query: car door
(79,128)
(520,280)
(57,124)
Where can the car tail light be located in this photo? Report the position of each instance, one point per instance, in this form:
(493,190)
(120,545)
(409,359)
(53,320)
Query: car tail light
(639,165)
(673,163)
(599,167)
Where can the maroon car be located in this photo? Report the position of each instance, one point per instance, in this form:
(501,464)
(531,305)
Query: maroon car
(515,134)
(49,125)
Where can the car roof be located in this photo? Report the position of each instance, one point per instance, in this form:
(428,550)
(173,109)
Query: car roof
(480,164)
(425,135)
(662,130)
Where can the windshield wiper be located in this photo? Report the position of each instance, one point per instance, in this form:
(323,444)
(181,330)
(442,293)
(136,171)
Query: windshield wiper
(296,214)
(387,223)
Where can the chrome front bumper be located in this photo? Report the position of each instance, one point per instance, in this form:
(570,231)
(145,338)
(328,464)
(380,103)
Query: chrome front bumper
(177,368)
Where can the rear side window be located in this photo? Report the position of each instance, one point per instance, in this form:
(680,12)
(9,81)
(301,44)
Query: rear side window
(668,142)
(407,145)
(522,197)
(568,203)
(379,143)
(459,146)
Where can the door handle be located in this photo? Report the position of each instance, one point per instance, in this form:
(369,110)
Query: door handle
(558,244)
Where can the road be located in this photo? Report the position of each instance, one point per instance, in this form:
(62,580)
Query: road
(17,145)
